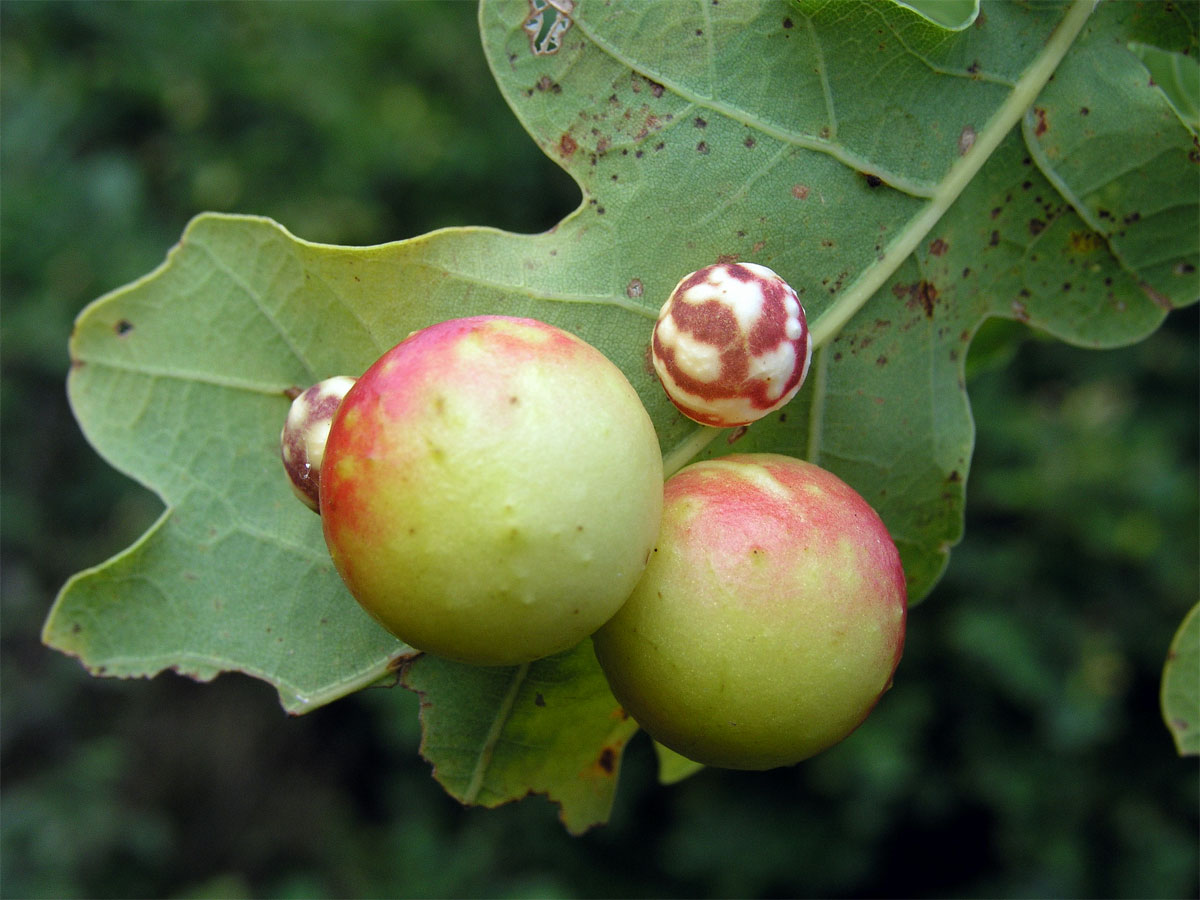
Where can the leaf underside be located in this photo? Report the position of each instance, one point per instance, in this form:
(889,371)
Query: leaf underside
(822,140)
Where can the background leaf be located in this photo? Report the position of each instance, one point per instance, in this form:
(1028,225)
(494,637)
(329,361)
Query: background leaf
(754,136)
(1181,686)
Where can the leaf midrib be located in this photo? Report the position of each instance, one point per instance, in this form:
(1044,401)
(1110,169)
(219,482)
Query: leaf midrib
(488,749)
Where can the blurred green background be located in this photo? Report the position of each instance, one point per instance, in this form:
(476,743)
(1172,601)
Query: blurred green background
(1021,752)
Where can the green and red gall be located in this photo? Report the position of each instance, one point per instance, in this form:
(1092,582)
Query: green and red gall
(491,490)
(769,621)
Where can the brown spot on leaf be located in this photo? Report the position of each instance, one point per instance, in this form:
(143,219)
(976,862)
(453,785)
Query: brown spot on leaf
(539,700)
(800,191)
(123,328)
(1040,127)
(927,294)
(873,181)
(1036,227)
(634,289)
(567,145)
(608,760)
(939,247)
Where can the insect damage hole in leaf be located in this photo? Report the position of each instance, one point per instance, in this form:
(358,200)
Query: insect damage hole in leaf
(547,24)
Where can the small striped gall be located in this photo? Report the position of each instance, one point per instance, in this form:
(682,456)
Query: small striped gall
(731,344)
(302,441)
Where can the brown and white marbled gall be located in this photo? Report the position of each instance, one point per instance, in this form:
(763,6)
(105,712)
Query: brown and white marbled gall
(302,441)
(731,344)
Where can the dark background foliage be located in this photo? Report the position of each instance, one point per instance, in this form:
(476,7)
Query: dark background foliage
(1021,752)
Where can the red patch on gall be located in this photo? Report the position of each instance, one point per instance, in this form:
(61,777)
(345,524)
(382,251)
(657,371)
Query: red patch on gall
(736,514)
(410,382)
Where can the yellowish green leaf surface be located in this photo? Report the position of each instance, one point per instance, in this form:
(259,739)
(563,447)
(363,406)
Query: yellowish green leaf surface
(869,156)
(672,767)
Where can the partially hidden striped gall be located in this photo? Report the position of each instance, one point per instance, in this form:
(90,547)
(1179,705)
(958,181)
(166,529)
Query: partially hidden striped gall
(302,441)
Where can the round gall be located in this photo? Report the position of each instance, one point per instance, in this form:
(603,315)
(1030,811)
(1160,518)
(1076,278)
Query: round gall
(731,344)
(302,441)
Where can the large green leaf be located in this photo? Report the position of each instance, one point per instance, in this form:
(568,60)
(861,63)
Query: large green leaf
(867,155)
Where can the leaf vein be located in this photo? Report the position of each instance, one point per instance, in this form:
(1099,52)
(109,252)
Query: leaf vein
(258,302)
(830,148)
(484,760)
